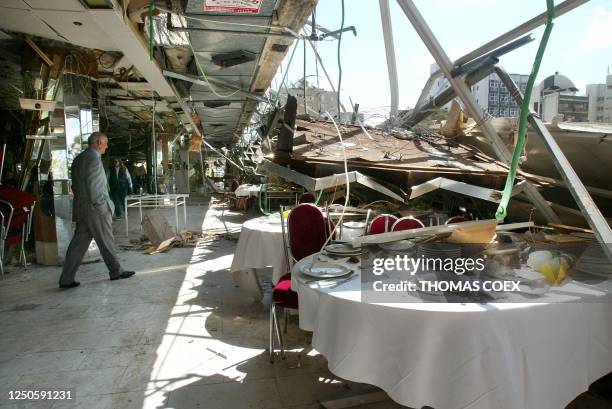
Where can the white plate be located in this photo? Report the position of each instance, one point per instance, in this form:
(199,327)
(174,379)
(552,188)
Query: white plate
(326,270)
(343,249)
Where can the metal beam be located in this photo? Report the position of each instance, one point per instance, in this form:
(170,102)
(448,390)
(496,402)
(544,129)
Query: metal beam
(524,28)
(235,32)
(373,184)
(424,231)
(471,69)
(422,112)
(326,182)
(468,66)
(385,17)
(463,91)
(585,202)
(195,80)
(490,195)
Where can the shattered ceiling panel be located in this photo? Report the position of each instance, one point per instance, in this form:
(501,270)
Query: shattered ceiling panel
(231,58)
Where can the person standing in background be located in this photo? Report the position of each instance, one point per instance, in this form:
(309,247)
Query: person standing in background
(119,183)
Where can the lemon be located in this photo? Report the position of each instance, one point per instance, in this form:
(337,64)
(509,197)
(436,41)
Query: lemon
(548,271)
(554,273)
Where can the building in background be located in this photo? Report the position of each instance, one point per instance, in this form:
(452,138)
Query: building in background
(556,96)
(318,102)
(490,93)
(600,101)
(493,96)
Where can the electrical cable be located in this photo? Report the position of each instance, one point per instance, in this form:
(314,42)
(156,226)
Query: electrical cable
(340,61)
(348,189)
(201,71)
(501,212)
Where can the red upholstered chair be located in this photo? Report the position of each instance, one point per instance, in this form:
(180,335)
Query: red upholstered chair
(235,185)
(407,223)
(382,224)
(458,219)
(16,211)
(307,231)
(307,198)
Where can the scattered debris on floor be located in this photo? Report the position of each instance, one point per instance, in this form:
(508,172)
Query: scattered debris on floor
(186,238)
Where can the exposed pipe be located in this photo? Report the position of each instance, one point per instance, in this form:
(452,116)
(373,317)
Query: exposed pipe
(235,32)
(385,17)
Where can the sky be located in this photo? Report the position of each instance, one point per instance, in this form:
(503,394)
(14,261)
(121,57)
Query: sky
(580,46)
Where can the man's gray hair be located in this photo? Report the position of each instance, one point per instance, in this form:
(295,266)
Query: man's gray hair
(95,137)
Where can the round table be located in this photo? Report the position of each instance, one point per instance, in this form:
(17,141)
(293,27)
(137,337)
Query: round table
(260,245)
(449,356)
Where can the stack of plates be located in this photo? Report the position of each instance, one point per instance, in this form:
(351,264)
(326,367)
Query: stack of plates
(400,245)
(439,250)
(340,249)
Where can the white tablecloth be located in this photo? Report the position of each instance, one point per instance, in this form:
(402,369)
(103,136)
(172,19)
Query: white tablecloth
(247,190)
(460,356)
(261,245)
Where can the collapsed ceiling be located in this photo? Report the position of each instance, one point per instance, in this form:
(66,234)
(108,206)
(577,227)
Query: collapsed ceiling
(237,51)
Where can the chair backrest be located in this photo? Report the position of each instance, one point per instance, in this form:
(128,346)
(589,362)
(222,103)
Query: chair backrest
(382,223)
(21,202)
(458,219)
(235,185)
(307,198)
(7,210)
(307,230)
(407,223)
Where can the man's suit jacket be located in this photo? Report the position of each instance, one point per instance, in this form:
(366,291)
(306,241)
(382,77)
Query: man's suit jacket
(89,186)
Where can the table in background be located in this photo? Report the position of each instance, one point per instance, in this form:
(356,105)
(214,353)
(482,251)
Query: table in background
(289,195)
(155,201)
(247,190)
(260,245)
(448,356)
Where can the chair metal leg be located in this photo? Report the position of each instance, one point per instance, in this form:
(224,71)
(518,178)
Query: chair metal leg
(279,333)
(22,255)
(286,319)
(280,337)
(272,333)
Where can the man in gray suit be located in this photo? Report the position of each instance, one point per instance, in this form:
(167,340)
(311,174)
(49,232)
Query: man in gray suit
(92,211)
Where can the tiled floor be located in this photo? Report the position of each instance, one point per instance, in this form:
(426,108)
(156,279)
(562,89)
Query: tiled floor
(177,335)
